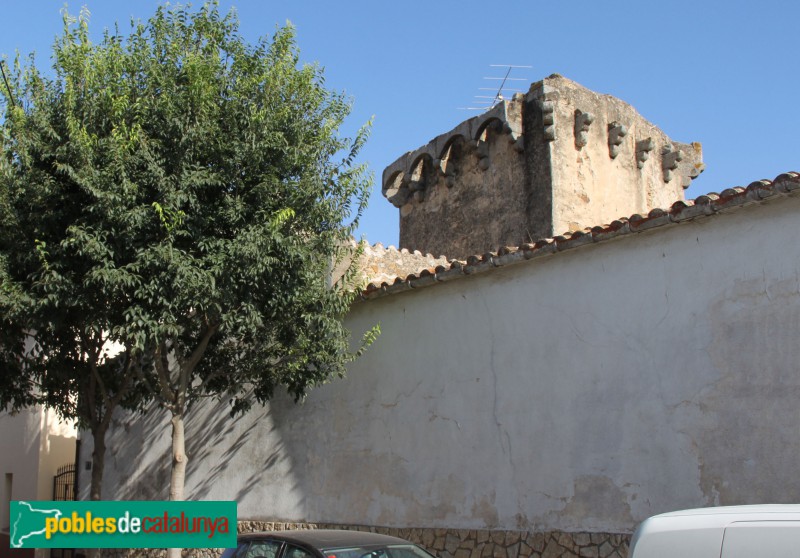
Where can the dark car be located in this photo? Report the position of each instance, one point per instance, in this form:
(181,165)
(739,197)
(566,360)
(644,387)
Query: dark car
(323,543)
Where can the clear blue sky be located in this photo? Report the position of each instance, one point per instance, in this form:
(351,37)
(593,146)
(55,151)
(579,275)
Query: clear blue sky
(724,73)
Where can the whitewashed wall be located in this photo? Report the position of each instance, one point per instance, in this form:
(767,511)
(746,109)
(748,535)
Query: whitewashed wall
(580,392)
(34,443)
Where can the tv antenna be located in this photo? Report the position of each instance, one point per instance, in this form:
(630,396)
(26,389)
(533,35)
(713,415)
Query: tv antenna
(502,92)
(8,87)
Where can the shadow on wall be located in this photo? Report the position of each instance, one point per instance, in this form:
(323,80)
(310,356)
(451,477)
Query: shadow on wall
(138,454)
(214,429)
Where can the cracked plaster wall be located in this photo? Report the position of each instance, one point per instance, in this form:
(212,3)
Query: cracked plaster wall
(582,392)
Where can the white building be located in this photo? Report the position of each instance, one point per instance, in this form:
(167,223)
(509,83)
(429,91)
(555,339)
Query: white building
(35,444)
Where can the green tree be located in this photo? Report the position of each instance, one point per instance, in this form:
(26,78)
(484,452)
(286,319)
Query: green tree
(177,196)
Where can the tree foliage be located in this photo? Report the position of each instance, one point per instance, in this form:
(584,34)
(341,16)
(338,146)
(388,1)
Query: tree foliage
(171,202)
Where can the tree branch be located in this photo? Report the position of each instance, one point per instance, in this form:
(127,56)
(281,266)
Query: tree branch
(197,354)
(127,376)
(101,384)
(148,386)
(89,348)
(162,373)
(213,376)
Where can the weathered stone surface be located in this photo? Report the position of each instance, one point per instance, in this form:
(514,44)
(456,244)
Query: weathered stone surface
(512,537)
(377,264)
(498,537)
(584,160)
(565,539)
(537,542)
(582,539)
(553,550)
(452,542)
(606,549)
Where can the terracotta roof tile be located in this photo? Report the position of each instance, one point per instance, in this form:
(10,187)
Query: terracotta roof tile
(618,227)
(709,204)
(542,247)
(572,240)
(787,182)
(422,279)
(509,255)
(479,264)
(656,218)
(453,271)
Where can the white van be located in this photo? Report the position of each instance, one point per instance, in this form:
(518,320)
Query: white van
(725,532)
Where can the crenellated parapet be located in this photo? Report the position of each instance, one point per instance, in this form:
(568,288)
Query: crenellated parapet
(379,263)
(376,263)
(415,172)
(556,159)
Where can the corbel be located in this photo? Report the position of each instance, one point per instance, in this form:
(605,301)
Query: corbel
(670,160)
(548,119)
(643,149)
(582,122)
(616,133)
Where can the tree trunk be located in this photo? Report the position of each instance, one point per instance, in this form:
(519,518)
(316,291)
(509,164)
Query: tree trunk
(179,461)
(98,462)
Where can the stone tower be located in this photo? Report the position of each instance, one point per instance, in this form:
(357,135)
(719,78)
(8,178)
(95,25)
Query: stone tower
(557,159)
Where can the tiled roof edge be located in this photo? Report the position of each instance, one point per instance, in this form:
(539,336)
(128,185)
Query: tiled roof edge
(703,206)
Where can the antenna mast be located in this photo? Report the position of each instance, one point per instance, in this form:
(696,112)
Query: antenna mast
(499,92)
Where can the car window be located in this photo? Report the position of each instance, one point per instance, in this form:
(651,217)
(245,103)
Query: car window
(404,552)
(760,538)
(296,552)
(392,551)
(260,549)
(344,553)
(237,552)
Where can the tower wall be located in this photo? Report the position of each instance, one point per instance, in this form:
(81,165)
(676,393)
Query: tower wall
(558,159)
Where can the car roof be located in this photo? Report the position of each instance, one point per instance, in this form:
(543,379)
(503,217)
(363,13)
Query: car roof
(327,538)
(700,531)
(728,514)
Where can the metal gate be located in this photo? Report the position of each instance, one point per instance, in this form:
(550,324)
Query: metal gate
(64,483)
(64,490)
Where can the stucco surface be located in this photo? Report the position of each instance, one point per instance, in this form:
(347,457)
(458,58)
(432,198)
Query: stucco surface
(584,391)
(34,444)
(589,186)
(21,432)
